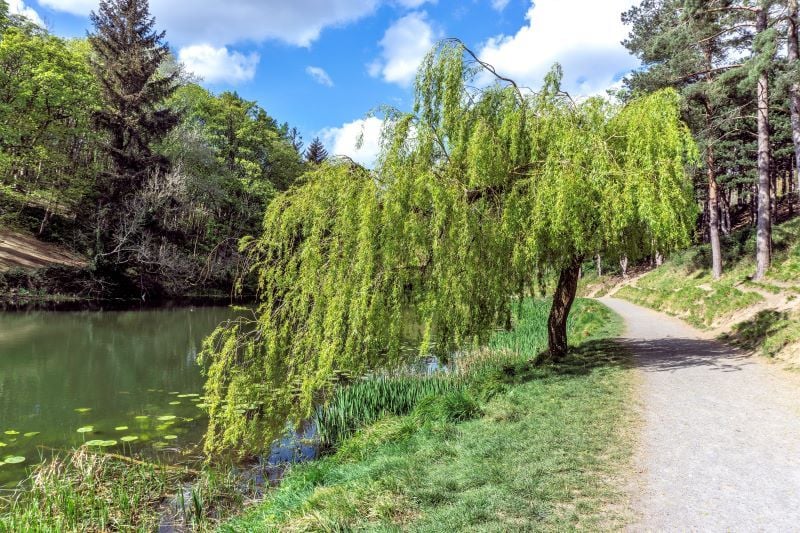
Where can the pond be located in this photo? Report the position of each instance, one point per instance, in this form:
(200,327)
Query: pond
(125,381)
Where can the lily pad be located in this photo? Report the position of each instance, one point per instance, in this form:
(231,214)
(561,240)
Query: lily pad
(165,418)
(174,403)
(170,437)
(108,443)
(14,460)
(93,443)
(83,409)
(85,429)
(174,393)
(3,444)
(129,438)
(141,417)
(31,434)
(121,428)
(201,405)
(12,432)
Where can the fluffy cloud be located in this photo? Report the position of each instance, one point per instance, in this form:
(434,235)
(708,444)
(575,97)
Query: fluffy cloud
(18,7)
(319,75)
(344,140)
(223,23)
(583,35)
(403,47)
(216,65)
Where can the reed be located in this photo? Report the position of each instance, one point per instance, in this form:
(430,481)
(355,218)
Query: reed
(365,402)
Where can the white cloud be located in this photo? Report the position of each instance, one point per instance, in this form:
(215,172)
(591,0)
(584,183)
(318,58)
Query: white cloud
(319,75)
(403,47)
(216,65)
(583,35)
(298,22)
(344,139)
(18,7)
(499,5)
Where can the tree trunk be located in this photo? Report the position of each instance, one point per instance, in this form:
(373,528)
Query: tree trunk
(559,312)
(764,227)
(599,265)
(623,265)
(725,212)
(794,89)
(713,215)
(713,193)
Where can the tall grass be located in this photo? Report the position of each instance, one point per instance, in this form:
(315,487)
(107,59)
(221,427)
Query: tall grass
(88,491)
(85,491)
(363,403)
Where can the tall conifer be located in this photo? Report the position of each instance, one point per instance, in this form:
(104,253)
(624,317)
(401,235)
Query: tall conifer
(129,53)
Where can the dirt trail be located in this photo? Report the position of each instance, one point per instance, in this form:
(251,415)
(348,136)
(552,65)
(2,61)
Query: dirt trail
(720,447)
(24,251)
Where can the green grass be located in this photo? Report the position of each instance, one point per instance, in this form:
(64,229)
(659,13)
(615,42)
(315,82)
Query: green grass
(683,286)
(769,332)
(367,401)
(521,447)
(87,491)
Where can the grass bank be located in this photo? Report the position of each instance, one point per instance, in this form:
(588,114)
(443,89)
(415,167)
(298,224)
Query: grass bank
(514,446)
(770,333)
(684,287)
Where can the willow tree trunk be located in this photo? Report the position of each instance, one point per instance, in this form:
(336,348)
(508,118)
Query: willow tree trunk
(764,224)
(559,313)
(794,89)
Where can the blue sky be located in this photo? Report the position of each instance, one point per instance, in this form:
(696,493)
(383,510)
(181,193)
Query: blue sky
(321,65)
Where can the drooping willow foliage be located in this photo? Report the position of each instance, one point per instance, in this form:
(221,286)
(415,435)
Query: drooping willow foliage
(475,193)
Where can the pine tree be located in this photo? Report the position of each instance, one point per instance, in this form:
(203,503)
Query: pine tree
(686,45)
(316,152)
(129,53)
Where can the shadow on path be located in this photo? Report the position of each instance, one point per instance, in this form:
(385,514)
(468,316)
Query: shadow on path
(669,354)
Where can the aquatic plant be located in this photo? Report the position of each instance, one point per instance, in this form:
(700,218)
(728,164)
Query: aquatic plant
(363,403)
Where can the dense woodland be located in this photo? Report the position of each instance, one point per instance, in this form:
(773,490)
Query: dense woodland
(736,66)
(109,147)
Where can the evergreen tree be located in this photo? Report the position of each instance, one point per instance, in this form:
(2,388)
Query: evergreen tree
(316,152)
(129,54)
(687,45)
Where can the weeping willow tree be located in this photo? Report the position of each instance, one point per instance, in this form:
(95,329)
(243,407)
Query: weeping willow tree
(477,193)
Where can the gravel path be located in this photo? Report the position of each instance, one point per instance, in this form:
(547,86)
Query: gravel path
(720,447)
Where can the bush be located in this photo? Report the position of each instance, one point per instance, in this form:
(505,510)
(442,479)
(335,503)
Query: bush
(457,406)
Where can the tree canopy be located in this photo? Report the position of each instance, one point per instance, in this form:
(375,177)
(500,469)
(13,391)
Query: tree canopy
(474,194)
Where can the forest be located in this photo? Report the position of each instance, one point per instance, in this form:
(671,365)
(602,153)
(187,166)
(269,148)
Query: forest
(110,148)
(534,300)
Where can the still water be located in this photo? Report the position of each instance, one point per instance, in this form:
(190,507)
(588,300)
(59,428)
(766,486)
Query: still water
(126,379)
